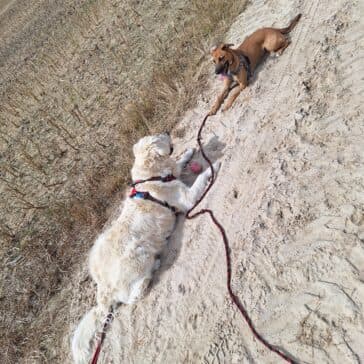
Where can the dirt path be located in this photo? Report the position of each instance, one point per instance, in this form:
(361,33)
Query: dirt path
(290,195)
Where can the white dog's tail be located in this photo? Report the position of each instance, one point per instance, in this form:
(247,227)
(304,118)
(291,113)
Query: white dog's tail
(84,334)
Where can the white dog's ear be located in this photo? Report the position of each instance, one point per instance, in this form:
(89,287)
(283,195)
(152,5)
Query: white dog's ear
(161,145)
(152,147)
(142,146)
(162,149)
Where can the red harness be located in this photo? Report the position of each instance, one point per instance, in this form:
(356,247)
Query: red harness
(168,178)
(147,196)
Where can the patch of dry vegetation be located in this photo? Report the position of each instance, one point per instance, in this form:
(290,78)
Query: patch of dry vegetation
(178,73)
(107,73)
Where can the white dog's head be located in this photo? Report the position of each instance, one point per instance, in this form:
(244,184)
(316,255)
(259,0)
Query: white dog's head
(153,153)
(153,147)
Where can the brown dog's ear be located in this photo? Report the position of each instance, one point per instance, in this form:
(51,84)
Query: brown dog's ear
(225,46)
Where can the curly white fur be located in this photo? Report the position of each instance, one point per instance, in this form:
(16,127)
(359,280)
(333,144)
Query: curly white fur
(124,257)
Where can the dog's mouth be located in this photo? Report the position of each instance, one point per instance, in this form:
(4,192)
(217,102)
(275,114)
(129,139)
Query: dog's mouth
(222,68)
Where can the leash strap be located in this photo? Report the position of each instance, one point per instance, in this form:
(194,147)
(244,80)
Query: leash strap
(232,295)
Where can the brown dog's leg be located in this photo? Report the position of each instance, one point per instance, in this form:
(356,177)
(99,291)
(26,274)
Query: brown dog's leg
(285,45)
(232,98)
(221,98)
(275,42)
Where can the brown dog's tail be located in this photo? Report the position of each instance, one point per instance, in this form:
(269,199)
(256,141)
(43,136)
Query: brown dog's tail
(292,25)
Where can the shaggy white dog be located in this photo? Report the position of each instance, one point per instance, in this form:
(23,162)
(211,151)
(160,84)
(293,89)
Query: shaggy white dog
(125,256)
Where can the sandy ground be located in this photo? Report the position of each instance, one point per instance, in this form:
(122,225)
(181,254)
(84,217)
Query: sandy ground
(290,195)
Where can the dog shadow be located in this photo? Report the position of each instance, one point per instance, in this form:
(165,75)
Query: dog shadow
(214,151)
(266,59)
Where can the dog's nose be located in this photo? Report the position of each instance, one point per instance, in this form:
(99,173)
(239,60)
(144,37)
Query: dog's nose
(171,151)
(167,133)
(218,70)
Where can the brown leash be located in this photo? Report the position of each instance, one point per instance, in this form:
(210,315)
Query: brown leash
(234,298)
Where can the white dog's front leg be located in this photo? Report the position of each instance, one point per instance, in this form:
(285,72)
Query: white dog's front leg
(186,157)
(197,189)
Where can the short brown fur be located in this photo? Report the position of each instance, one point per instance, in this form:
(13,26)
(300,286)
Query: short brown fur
(254,47)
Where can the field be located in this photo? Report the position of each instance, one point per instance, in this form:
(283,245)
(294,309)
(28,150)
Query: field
(80,82)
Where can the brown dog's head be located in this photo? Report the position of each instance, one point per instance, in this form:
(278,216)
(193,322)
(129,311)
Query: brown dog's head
(222,57)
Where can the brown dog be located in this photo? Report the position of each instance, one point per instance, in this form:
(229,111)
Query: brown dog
(239,64)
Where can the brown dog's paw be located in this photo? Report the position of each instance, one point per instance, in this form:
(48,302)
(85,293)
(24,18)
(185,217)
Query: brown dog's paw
(213,111)
(226,108)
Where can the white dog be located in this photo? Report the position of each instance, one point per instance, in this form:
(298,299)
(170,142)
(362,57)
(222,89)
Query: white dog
(125,256)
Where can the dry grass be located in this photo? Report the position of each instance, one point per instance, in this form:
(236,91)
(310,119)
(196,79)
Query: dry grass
(179,72)
(104,76)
